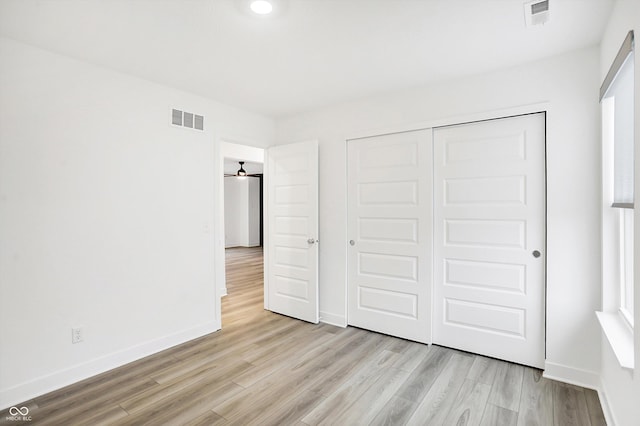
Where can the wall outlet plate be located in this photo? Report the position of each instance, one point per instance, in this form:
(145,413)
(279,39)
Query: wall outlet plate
(77,335)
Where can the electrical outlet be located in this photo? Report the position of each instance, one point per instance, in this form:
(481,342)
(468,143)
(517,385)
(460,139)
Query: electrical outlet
(77,335)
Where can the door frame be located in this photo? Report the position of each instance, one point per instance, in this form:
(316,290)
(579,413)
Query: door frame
(542,107)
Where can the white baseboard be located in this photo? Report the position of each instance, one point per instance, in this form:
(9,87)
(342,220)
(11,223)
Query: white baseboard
(333,319)
(59,379)
(575,376)
(606,408)
(223,292)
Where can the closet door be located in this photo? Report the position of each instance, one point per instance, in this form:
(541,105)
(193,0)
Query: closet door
(489,238)
(389,234)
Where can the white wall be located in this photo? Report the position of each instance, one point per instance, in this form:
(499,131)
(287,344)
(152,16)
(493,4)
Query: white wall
(242,212)
(243,151)
(569,83)
(253,210)
(107,217)
(621,388)
(236,212)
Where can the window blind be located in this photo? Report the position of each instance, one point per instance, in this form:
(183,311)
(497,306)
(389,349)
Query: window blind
(623,53)
(619,85)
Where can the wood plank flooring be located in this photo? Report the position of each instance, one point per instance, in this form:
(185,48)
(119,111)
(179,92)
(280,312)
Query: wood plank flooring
(267,369)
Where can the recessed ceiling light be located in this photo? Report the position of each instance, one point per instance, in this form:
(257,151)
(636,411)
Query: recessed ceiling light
(261,7)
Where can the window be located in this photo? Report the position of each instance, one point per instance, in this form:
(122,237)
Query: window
(626,264)
(616,96)
(617,100)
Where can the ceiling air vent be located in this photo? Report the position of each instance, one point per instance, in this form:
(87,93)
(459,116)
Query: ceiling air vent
(536,12)
(187,119)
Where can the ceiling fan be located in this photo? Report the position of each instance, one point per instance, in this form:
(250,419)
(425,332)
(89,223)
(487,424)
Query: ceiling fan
(242,172)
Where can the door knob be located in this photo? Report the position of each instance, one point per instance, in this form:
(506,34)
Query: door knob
(536,254)
(351,242)
(312,241)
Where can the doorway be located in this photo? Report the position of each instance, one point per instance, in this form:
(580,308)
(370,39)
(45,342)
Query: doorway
(290,226)
(241,239)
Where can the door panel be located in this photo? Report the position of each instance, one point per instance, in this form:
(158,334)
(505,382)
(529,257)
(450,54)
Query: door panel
(389,222)
(291,248)
(489,217)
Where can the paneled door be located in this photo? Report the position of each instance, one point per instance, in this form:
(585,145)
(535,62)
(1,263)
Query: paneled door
(389,241)
(489,238)
(291,243)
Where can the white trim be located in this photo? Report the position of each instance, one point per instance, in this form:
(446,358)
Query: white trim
(575,376)
(59,379)
(458,119)
(620,337)
(627,317)
(606,408)
(265,228)
(333,319)
(220,281)
(345,179)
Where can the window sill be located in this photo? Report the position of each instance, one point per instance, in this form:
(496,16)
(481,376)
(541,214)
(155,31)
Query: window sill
(620,337)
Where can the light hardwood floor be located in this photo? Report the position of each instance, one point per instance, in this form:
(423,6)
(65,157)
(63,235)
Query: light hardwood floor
(267,369)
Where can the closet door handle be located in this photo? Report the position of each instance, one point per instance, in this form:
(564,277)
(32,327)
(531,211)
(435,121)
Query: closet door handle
(536,254)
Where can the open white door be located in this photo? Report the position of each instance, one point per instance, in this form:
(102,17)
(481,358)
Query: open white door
(291,230)
(389,228)
(489,238)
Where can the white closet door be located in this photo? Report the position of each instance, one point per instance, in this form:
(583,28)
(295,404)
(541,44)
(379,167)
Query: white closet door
(389,226)
(291,245)
(489,238)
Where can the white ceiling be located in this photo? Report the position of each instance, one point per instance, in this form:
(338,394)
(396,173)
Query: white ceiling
(314,53)
(231,166)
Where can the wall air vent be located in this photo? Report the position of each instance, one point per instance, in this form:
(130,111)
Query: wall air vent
(187,119)
(536,12)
